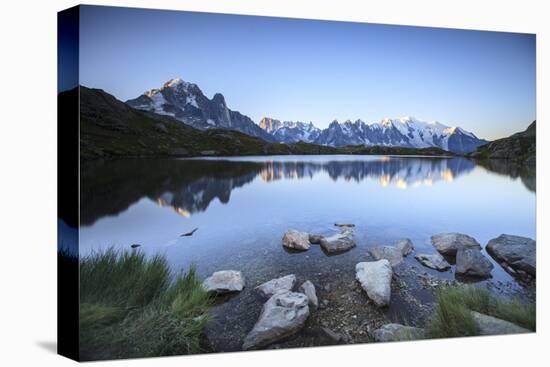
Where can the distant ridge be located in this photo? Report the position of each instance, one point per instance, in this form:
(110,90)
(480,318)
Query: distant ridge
(186,102)
(403,132)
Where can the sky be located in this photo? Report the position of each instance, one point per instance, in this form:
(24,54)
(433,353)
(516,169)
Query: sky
(310,70)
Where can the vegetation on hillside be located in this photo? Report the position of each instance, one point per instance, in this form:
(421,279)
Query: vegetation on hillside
(132,306)
(519,148)
(452,316)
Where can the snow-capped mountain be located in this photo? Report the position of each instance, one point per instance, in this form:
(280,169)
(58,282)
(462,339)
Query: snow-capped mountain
(403,132)
(186,102)
(290,131)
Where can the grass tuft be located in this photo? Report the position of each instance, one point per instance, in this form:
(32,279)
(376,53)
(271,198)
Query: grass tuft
(132,307)
(453,318)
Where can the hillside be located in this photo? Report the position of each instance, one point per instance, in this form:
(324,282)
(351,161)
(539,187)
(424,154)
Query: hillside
(520,148)
(109,129)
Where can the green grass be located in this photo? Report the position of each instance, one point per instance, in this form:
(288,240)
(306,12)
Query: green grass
(452,315)
(132,306)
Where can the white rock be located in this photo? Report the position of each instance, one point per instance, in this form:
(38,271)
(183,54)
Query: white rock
(375,278)
(433,261)
(296,240)
(308,289)
(406,246)
(279,285)
(224,281)
(390,253)
(489,325)
(338,242)
(282,315)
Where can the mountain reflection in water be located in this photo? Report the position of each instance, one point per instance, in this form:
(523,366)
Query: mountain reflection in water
(190,185)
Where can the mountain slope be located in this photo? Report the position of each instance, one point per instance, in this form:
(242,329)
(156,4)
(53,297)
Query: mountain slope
(110,128)
(520,147)
(186,102)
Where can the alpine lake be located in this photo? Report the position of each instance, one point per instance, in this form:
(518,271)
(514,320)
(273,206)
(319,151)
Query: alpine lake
(241,207)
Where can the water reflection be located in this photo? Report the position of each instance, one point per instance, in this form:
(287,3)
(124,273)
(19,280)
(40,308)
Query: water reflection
(504,167)
(401,172)
(189,186)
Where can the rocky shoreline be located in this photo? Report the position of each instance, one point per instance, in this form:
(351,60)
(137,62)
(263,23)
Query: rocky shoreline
(357,310)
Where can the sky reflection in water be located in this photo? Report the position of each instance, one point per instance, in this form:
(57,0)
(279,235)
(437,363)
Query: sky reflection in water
(242,206)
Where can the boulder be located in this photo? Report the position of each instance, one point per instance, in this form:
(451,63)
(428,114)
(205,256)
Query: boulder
(397,332)
(519,253)
(405,246)
(315,239)
(224,281)
(375,278)
(489,325)
(282,315)
(470,262)
(390,253)
(338,242)
(296,240)
(449,243)
(308,289)
(279,285)
(433,261)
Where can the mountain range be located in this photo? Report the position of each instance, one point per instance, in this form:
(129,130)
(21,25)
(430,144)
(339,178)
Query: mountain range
(187,103)
(110,128)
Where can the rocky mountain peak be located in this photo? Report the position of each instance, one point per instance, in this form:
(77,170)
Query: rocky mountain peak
(219,99)
(187,103)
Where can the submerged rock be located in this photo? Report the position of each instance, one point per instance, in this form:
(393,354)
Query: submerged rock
(489,325)
(296,240)
(449,243)
(470,262)
(405,246)
(375,278)
(315,239)
(433,261)
(518,253)
(278,285)
(282,315)
(338,242)
(390,253)
(344,225)
(308,289)
(397,332)
(224,281)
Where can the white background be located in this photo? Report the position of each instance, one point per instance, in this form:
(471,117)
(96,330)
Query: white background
(28,180)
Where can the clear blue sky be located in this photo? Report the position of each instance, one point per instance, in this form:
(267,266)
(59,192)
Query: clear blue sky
(316,71)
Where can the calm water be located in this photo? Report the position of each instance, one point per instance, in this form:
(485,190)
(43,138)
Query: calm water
(242,207)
